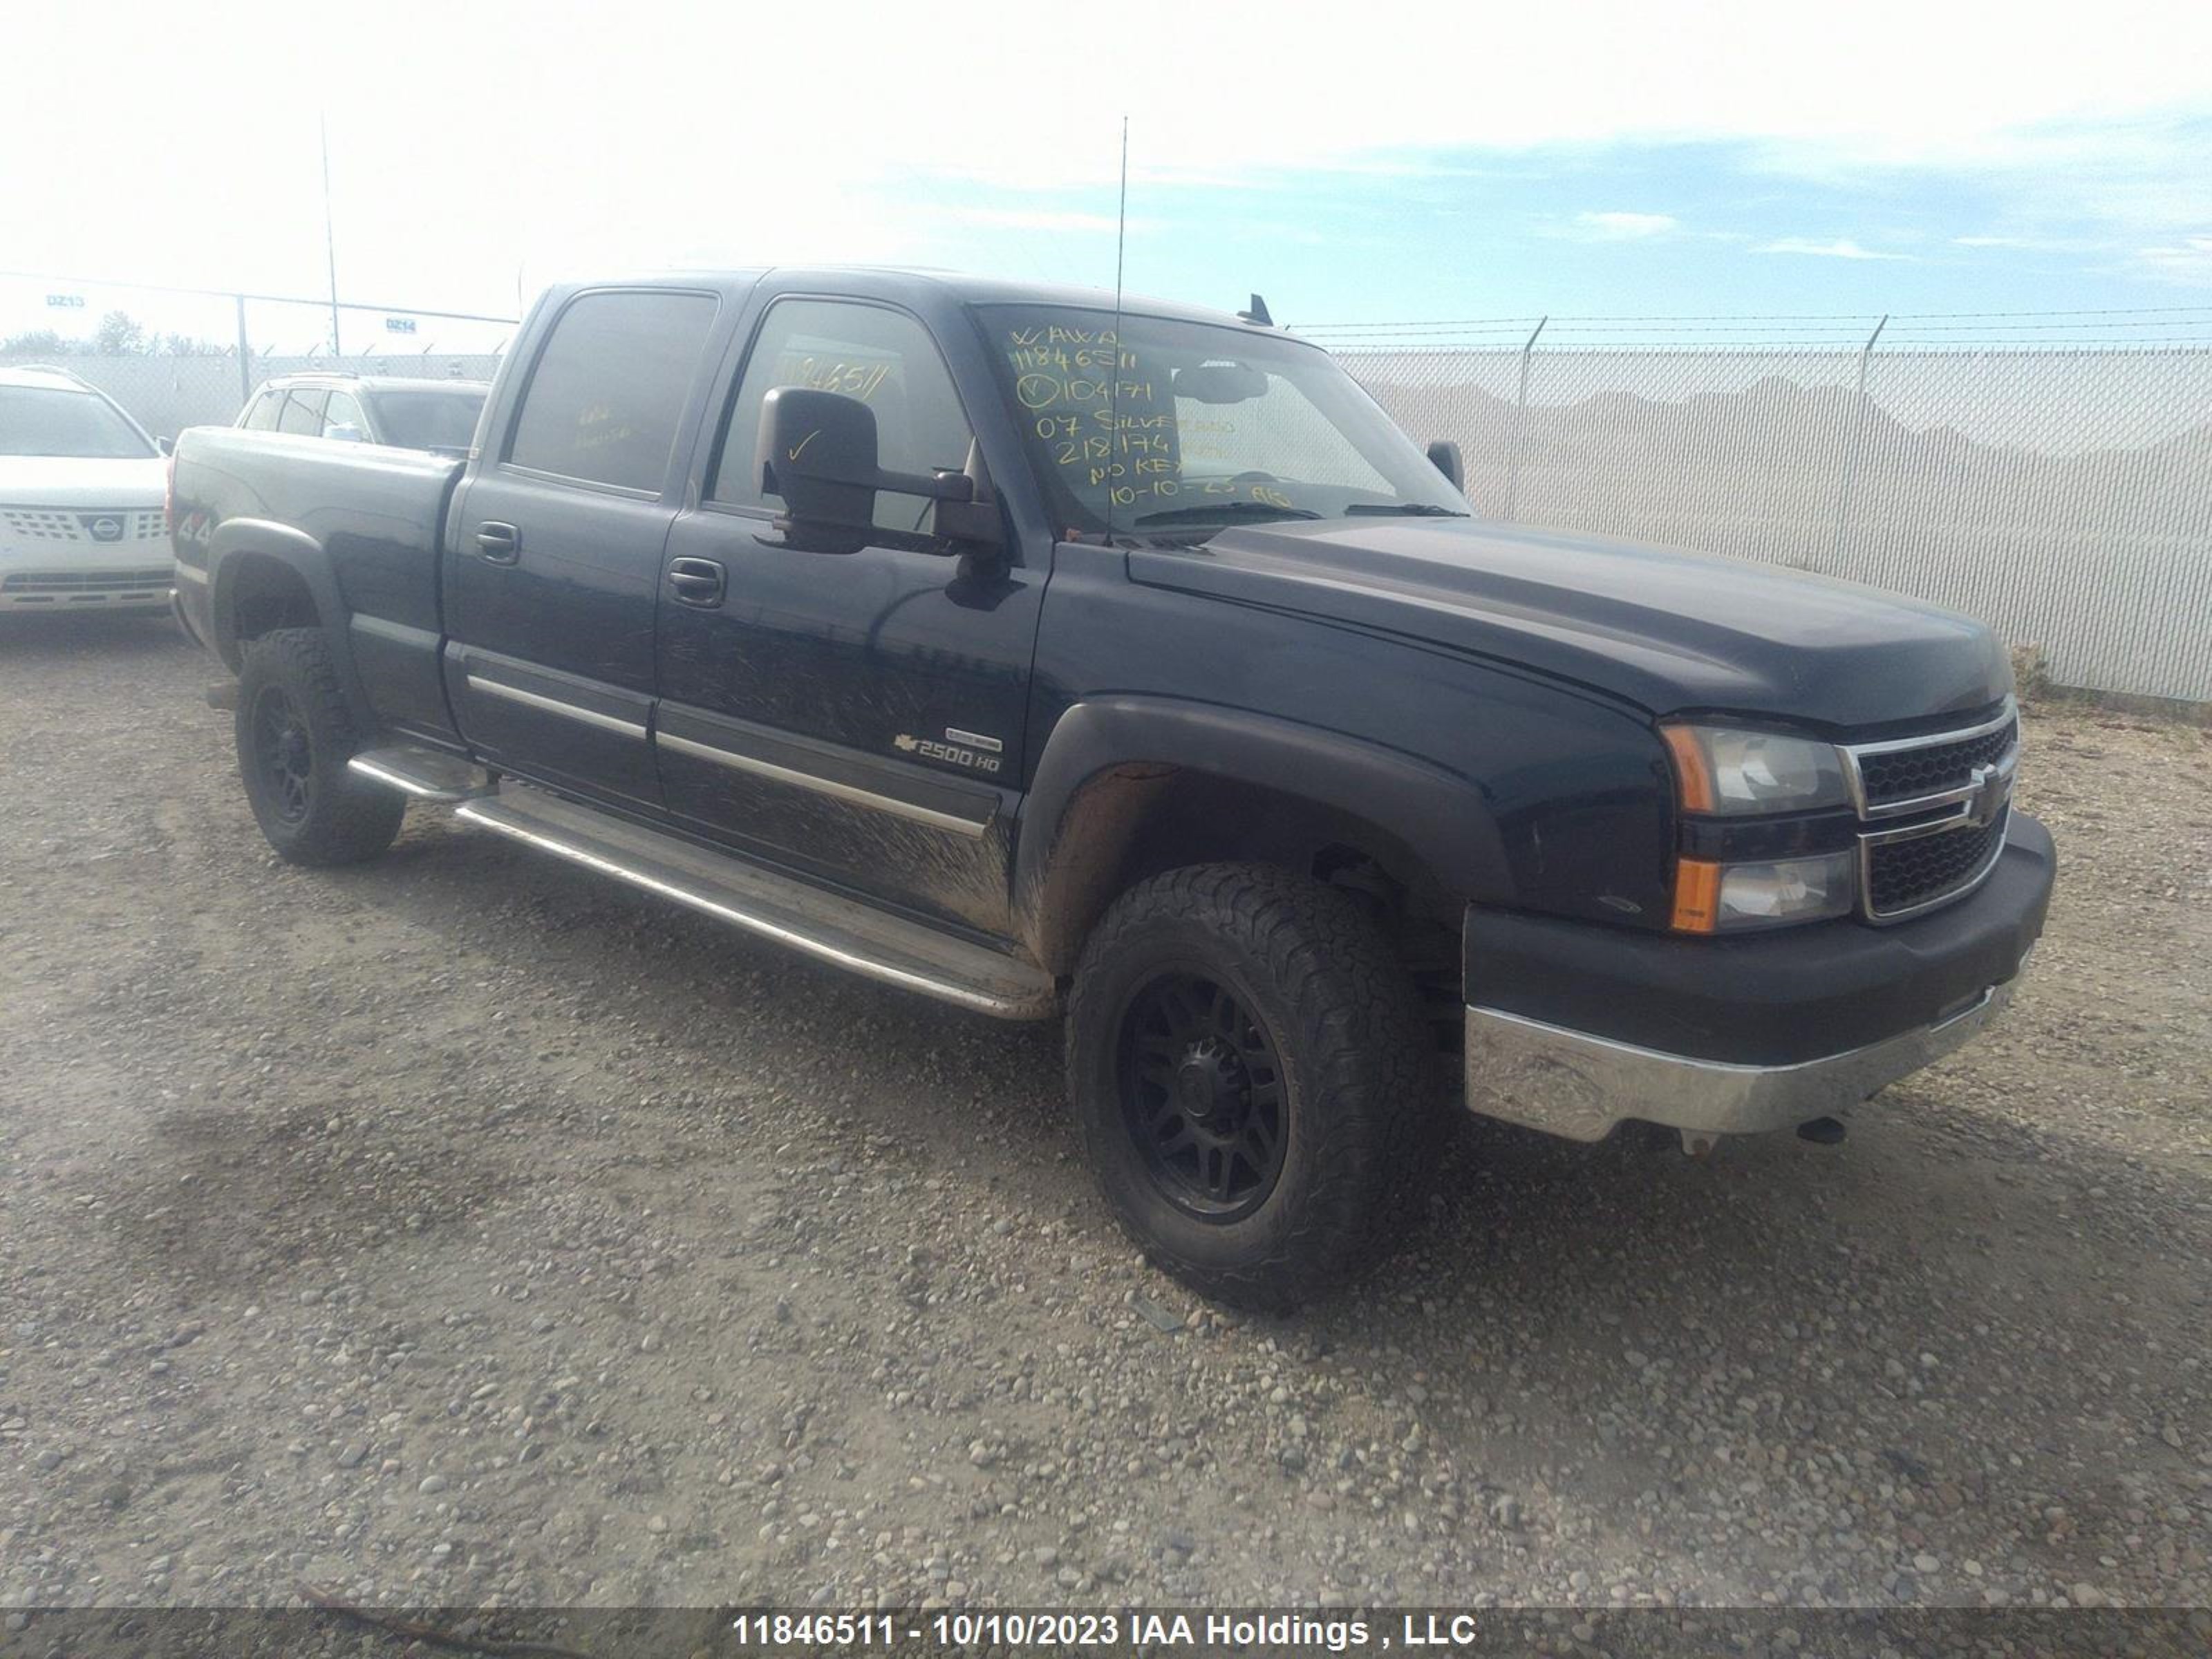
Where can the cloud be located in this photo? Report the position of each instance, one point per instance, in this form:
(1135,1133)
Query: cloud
(2188,260)
(1625,227)
(614,152)
(1841,248)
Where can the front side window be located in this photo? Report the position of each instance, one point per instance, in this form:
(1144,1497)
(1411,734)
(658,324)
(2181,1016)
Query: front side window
(438,419)
(607,396)
(59,421)
(1180,429)
(262,416)
(341,418)
(883,358)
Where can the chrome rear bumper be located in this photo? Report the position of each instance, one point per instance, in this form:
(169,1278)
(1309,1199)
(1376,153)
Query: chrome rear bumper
(1571,1083)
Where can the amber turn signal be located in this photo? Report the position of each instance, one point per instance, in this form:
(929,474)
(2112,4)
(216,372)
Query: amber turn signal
(1692,776)
(1697,895)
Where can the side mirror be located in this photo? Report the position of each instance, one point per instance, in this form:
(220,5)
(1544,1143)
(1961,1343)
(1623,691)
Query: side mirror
(1444,457)
(165,446)
(818,450)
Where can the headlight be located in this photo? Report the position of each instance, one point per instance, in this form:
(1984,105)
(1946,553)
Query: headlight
(1722,769)
(1713,898)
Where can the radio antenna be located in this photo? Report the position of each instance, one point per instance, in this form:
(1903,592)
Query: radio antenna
(1114,379)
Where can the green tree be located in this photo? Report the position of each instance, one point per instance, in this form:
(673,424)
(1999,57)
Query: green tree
(120,334)
(38,342)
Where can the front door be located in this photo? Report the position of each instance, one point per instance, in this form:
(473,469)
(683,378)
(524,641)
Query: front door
(553,561)
(858,716)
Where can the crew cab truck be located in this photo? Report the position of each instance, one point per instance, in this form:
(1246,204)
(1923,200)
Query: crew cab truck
(1057,656)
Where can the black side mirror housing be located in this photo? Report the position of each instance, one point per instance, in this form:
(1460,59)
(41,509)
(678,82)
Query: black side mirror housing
(1445,457)
(165,446)
(819,451)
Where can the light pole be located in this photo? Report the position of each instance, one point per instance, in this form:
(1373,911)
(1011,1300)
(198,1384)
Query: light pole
(329,237)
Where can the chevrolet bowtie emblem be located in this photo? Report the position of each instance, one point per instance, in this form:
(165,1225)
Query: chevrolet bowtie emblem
(1992,789)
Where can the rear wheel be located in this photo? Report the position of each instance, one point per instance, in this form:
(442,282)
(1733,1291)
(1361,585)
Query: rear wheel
(1254,1077)
(294,735)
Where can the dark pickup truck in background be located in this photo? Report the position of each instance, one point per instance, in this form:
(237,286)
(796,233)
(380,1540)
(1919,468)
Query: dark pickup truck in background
(1047,657)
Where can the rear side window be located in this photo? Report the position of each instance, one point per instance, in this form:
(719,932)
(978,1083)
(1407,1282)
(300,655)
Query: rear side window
(303,414)
(262,417)
(604,402)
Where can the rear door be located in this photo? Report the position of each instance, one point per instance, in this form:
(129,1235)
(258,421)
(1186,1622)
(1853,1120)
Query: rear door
(858,716)
(554,546)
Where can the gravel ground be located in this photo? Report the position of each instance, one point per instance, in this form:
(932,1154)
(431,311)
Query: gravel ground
(461,1229)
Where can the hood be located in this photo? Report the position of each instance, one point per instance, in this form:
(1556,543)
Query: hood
(68,481)
(1670,631)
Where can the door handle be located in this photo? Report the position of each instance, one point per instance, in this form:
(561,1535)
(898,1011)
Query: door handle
(500,543)
(697,581)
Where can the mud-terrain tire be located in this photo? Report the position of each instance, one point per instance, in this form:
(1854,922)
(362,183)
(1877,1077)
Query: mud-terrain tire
(1256,1085)
(295,736)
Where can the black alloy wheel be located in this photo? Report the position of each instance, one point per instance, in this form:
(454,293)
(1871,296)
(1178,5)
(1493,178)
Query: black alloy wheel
(294,734)
(1203,1097)
(284,751)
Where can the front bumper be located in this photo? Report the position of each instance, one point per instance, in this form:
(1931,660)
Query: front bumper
(80,578)
(1573,1030)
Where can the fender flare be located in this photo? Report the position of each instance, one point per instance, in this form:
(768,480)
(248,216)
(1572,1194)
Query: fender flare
(1438,817)
(303,556)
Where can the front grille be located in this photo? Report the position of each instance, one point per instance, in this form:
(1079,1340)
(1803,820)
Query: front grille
(1932,814)
(73,523)
(1903,775)
(1907,875)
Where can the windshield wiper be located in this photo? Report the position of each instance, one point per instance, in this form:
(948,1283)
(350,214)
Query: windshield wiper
(1224,510)
(1404,510)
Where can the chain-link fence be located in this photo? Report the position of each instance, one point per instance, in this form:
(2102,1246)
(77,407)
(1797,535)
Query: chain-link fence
(2062,492)
(178,357)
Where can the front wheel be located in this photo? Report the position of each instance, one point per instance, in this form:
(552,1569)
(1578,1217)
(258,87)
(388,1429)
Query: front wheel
(1254,1078)
(295,736)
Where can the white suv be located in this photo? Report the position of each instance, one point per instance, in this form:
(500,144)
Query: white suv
(81,494)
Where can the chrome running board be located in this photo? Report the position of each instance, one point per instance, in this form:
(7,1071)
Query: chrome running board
(838,930)
(425,774)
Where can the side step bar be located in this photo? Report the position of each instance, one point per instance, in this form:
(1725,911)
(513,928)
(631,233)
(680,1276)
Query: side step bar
(425,774)
(838,930)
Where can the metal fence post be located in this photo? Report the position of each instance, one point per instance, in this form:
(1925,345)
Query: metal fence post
(1851,452)
(245,355)
(1520,425)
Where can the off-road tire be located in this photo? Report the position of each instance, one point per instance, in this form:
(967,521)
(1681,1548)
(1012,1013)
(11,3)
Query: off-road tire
(1358,1064)
(311,810)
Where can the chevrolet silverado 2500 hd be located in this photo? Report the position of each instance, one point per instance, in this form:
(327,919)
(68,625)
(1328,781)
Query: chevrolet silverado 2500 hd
(1124,664)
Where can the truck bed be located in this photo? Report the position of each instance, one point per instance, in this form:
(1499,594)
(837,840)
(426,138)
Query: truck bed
(368,520)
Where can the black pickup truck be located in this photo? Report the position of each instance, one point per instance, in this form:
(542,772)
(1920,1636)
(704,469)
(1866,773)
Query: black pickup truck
(1050,655)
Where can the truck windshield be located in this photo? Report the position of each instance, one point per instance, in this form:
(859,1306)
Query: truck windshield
(34,421)
(1187,428)
(442,419)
